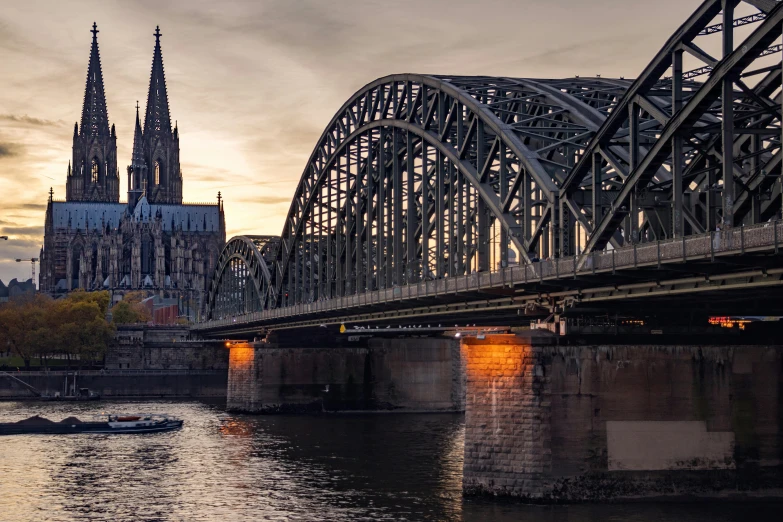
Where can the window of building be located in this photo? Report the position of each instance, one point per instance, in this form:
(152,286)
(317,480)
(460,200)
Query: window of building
(157,173)
(95,171)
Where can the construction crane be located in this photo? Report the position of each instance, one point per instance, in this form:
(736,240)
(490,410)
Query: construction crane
(33,261)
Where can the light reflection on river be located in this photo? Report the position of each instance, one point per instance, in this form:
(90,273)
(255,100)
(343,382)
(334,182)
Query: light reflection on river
(234,467)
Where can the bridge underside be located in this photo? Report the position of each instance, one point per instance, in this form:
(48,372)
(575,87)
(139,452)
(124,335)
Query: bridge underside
(484,198)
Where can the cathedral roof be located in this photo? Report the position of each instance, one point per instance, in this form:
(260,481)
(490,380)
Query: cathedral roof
(157,119)
(83,215)
(95,118)
(142,210)
(79,215)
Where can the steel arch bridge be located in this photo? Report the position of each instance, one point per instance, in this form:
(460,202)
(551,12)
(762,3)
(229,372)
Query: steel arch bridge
(423,178)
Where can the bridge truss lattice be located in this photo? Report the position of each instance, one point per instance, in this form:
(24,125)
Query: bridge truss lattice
(428,177)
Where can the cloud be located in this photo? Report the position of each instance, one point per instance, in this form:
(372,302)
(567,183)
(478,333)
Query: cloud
(24,231)
(254,82)
(24,206)
(14,249)
(265,200)
(30,120)
(8,150)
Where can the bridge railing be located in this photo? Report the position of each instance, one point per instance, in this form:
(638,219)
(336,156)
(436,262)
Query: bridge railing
(736,241)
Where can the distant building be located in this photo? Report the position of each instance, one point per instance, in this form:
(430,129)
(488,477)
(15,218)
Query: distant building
(153,241)
(15,288)
(164,311)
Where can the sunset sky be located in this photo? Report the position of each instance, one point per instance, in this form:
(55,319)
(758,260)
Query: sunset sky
(252,83)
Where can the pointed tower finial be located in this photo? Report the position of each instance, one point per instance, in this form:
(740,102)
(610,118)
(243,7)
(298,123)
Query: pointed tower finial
(95,118)
(137,159)
(157,118)
(160,142)
(51,194)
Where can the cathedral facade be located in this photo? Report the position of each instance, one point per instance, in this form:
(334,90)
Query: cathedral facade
(153,242)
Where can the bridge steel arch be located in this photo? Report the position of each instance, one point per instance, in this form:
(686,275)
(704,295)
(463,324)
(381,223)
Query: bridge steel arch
(421,177)
(242,275)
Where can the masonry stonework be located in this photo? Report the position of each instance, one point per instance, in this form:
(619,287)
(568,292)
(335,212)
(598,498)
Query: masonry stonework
(507,417)
(385,374)
(548,422)
(158,347)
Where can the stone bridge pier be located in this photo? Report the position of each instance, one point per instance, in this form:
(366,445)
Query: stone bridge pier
(549,422)
(554,419)
(414,375)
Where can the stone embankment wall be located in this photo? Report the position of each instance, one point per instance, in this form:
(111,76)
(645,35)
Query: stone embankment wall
(576,423)
(143,361)
(389,374)
(109,384)
(143,347)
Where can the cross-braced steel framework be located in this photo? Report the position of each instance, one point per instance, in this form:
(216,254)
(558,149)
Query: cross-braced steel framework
(428,177)
(245,266)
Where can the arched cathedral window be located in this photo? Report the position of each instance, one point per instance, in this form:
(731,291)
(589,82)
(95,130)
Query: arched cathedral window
(95,171)
(157,173)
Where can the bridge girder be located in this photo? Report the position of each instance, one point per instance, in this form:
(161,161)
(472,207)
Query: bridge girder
(422,177)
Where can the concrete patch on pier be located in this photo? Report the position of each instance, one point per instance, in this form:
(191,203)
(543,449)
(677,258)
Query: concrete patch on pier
(662,445)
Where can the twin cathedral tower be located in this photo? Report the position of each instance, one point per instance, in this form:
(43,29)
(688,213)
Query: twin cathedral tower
(93,175)
(153,241)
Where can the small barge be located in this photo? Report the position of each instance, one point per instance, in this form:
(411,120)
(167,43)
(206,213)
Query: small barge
(137,423)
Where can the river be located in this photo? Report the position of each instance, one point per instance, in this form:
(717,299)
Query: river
(310,467)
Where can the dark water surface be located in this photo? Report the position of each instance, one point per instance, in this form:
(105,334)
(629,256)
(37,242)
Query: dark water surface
(233,467)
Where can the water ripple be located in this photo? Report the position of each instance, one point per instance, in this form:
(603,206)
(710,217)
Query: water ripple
(277,468)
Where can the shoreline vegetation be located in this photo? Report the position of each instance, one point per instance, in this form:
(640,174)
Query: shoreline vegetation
(72,332)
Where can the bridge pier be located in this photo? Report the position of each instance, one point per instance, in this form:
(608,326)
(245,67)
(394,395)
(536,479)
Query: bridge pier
(415,374)
(549,422)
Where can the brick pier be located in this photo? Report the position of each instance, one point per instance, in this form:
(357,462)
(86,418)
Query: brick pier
(551,422)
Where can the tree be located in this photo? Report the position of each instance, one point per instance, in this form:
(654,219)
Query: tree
(74,326)
(23,326)
(82,330)
(135,297)
(100,298)
(126,312)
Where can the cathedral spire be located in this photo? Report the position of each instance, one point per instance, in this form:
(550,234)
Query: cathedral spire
(95,119)
(157,119)
(94,175)
(137,160)
(137,170)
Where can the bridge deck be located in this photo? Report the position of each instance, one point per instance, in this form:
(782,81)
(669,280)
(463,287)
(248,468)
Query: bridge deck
(719,261)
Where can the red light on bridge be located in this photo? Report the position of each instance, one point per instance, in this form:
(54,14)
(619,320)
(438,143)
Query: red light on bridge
(729,322)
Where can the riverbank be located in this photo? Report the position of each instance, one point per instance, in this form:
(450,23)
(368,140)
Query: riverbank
(117,384)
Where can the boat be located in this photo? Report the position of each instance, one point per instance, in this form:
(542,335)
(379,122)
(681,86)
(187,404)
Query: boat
(127,423)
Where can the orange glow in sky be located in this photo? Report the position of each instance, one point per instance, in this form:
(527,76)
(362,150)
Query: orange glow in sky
(253,83)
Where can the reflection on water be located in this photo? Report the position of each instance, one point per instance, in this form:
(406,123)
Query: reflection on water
(233,467)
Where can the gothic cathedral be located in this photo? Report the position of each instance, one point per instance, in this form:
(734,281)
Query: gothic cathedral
(153,242)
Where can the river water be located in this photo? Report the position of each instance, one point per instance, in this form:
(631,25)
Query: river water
(227,467)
